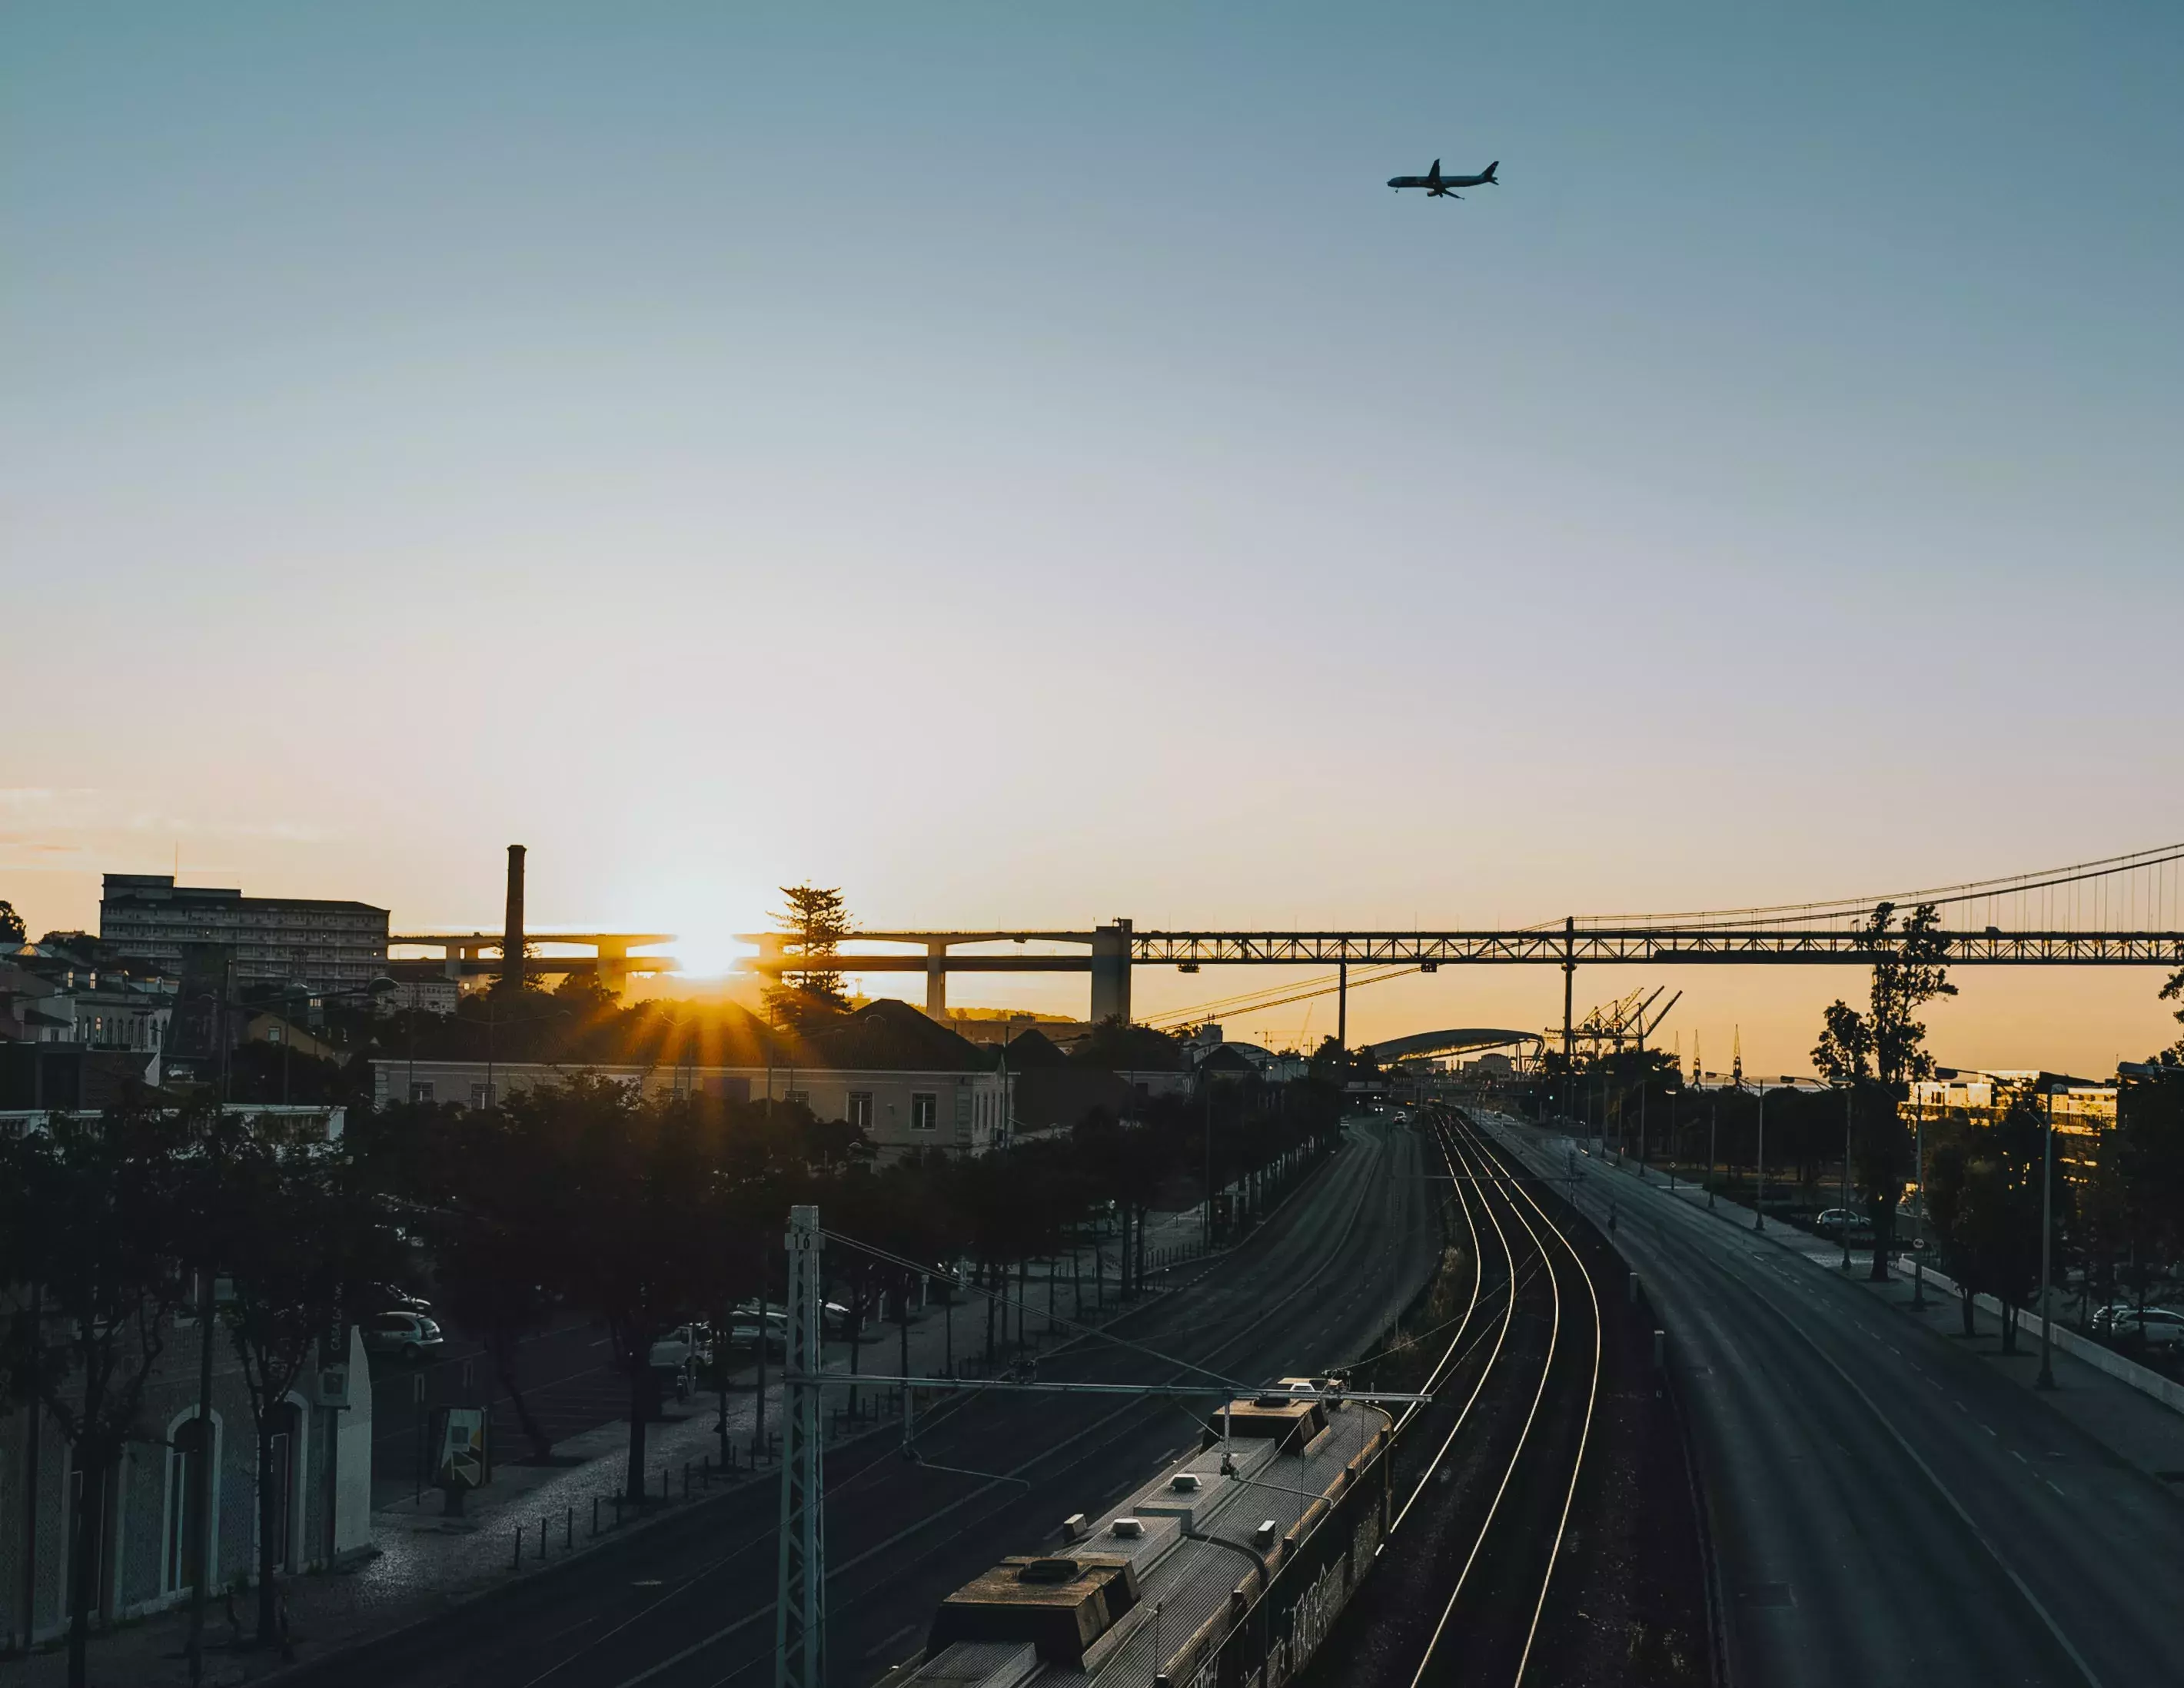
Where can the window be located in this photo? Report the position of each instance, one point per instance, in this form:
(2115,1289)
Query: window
(421,1090)
(924,1110)
(962,1105)
(797,1098)
(482,1095)
(861,1109)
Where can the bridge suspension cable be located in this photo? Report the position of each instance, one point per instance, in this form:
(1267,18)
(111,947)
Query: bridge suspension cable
(2149,904)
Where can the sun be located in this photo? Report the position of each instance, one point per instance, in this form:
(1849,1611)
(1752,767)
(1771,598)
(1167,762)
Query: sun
(706,916)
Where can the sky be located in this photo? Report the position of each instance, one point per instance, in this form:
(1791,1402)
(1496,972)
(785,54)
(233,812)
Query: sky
(1021,466)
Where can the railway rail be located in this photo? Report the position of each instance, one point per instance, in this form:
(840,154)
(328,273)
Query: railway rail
(1468,1568)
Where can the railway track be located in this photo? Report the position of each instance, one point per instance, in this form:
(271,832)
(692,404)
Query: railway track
(689,1604)
(1466,1580)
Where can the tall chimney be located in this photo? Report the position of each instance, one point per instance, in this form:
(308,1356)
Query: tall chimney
(511,928)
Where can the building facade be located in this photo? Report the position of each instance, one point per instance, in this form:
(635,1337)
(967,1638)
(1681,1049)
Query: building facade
(966,1112)
(147,1546)
(324,945)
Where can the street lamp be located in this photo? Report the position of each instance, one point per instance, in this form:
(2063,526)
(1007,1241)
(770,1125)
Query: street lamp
(1714,1129)
(1759,1201)
(2047,1378)
(1918,1213)
(1850,1086)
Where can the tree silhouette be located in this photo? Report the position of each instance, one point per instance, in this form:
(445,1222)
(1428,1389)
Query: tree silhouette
(92,1220)
(816,922)
(1889,1041)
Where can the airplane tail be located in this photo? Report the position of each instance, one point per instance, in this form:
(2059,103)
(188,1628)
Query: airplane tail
(1487,175)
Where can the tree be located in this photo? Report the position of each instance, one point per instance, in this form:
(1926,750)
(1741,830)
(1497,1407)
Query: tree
(294,1230)
(1889,1042)
(636,1217)
(92,1221)
(499,1220)
(1845,1050)
(12,931)
(2147,1149)
(2171,992)
(587,993)
(816,921)
(1984,1202)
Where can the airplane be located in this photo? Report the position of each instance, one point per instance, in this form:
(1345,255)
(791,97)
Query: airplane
(1437,186)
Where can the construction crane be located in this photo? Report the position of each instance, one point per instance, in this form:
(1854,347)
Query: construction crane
(1627,1019)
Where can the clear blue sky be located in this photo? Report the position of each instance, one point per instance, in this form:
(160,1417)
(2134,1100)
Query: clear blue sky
(1025,467)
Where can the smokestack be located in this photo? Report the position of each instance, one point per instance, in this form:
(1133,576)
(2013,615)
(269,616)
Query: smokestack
(511,928)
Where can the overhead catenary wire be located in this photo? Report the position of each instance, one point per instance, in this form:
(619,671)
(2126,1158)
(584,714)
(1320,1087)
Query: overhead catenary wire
(957,1280)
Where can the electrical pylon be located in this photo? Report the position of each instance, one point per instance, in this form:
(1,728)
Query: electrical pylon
(799,1622)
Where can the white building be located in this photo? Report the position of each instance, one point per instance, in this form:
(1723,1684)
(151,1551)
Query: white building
(965,1111)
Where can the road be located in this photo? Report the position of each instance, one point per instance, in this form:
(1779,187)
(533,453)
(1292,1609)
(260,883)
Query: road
(689,1603)
(1884,1509)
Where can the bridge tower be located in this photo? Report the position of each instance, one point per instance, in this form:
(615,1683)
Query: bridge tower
(800,1619)
(1110,973)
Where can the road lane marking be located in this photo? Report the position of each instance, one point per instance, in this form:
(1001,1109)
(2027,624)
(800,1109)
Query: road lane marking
(1940,1488)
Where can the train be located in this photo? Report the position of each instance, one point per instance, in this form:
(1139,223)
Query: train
(1227,1570)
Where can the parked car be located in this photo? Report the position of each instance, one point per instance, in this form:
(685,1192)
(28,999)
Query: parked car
(2155,1327)
(1832,1222)
(412,1336)
(744,1333)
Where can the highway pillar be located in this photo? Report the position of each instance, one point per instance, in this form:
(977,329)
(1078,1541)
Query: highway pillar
(1110,973)
(936,983)
(611,966)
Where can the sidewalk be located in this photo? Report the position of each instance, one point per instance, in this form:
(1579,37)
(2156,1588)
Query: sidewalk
(424,1562)
(2134,1425)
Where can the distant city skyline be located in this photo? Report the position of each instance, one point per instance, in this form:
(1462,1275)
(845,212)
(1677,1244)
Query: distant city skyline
(1027,469)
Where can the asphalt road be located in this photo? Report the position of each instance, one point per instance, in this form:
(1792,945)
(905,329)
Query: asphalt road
(1884,1510)
(689,1603)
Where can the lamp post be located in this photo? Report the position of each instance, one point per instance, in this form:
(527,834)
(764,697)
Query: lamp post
(1713,1129)
(1759,1201)
(2047,1378)
(1918,1213)
(1672,1134)
(1849,1089)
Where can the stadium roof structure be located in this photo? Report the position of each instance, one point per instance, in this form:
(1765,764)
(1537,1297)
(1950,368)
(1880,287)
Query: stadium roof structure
(1456,1041)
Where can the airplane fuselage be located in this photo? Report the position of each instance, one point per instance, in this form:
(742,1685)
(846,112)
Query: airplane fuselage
(1439,185)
